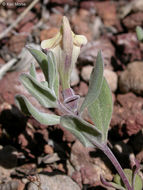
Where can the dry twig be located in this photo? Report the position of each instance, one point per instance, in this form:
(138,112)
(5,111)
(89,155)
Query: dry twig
(6,67)
(14,24)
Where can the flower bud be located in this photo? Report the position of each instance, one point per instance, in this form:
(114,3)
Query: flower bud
(66,48)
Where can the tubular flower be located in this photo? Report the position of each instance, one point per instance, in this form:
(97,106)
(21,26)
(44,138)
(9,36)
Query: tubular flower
(66,48)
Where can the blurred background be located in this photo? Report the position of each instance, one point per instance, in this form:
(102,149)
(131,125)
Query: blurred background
(28,148)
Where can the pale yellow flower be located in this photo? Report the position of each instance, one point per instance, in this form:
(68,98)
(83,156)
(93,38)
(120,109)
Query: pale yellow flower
(66,49)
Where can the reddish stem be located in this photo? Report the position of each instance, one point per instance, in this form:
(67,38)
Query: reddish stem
(116,164)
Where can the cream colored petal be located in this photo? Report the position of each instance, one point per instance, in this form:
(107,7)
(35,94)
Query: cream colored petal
(67,39)
(60,60)
(75,54)
(57,51)
(52,42)
(79,40)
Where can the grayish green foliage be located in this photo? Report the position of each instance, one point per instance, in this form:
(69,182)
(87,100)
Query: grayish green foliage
(95,83)
(48,66)
(84,131)
(139,32)
(46,92)
(56,85)
(33,71)
(117,186)
(138,181)
(101,109)
(26,107)
(44,83)
(98,100)
(42,93)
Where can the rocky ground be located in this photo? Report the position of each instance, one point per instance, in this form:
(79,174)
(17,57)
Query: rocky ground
(52,156)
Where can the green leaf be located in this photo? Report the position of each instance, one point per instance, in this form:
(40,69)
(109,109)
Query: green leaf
(42,93)
(33,71)
(138,181)
(117,186)
(56,85)
(101,110)
(85,132)
(139,32)
(26,107)
(52,69)
(47,64)
(95,83)
(44,83)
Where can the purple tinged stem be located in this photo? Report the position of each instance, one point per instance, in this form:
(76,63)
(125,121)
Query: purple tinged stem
(104,182)
(104,148)
(70,100)
(64,109)
(136,168)
(68,93)
(116,164)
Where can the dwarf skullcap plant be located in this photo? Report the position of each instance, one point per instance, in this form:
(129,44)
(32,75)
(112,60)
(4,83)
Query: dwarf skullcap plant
(57,63)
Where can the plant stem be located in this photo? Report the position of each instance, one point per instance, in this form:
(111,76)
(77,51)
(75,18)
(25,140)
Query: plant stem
(64,109)
(69,93)
(116,164)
